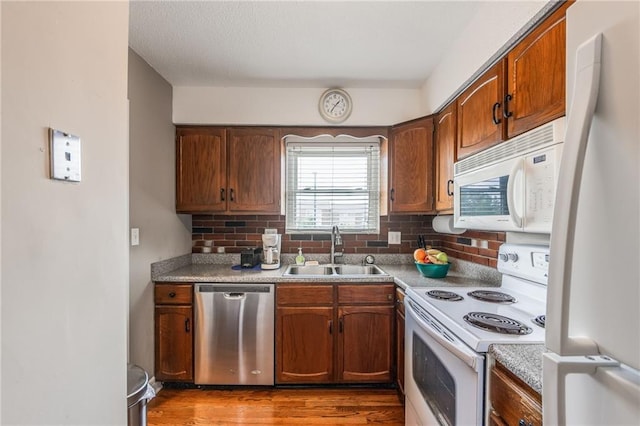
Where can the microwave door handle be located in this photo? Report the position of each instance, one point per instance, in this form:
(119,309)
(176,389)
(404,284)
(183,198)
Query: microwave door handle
(511,188)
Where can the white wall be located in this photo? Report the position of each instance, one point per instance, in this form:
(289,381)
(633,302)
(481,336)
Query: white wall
(151,199)
(289,106)
(65,257)
(491,28)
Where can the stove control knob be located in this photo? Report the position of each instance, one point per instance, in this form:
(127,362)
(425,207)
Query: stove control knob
(503,257)
(513,257)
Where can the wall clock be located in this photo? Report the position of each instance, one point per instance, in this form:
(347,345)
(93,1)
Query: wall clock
(335,105)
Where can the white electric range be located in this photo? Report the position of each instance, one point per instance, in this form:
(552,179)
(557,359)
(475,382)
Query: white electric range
(449,329)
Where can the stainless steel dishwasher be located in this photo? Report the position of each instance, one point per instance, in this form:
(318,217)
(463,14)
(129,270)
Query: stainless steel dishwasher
(234,334)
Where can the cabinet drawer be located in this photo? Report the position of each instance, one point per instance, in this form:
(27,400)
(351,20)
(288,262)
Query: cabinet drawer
(366,293)
(513,400)
(173,294)
(304,294)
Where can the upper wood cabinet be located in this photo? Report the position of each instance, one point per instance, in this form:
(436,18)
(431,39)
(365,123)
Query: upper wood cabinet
(254,170)
(411,167)
(521,92)
(536,77)
(480,123)
(234,170)
(445,147)
(201,169)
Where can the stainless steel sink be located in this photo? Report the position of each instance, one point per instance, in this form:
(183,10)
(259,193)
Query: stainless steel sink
(358,270)
(308,270)
(333,270)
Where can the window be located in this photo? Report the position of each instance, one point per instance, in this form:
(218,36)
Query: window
(333,183)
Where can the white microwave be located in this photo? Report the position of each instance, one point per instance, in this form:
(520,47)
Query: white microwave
(511,186)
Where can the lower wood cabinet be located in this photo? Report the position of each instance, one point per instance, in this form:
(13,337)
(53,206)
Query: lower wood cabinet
(173,332)
(513,402)
(400,340)
(334,333)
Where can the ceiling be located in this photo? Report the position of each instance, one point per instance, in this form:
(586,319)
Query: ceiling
(367,44)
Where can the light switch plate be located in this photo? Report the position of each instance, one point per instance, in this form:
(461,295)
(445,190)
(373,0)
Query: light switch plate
(65,156)
(135,236)
(395,237)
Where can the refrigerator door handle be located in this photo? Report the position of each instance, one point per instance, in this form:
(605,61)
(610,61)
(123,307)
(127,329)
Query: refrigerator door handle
(555,369)
(585,96)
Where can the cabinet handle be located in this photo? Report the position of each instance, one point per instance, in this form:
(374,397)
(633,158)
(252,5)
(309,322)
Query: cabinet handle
(231,195)
(496,120)
(187,325)
(340,325)
(172,294)
(505,112)
(221,194)
(449,190)
(330,326)
(522,422)
(392,194)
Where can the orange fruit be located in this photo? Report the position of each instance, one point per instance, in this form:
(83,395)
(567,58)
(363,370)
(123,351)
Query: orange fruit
(419,255)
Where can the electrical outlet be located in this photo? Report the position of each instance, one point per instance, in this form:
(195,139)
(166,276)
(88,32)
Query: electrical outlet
(394,237)
(135,236)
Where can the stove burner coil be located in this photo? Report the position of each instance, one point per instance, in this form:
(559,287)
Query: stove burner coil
(444,295)
(492,296)
(497,323)
(540,320)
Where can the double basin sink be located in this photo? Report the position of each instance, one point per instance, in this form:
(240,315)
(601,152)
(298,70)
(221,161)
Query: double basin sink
(333,270)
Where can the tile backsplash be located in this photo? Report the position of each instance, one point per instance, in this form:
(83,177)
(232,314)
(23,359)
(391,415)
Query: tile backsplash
(236,232)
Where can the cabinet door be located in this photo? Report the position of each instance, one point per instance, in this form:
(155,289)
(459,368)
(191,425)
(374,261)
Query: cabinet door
(254,170)
(174,343)
(536,76)
(445,143)
(365,343)
(480,122)
(411,167)
(304,344)
(200,170)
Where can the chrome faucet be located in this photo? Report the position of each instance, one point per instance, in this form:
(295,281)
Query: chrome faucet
(336,240)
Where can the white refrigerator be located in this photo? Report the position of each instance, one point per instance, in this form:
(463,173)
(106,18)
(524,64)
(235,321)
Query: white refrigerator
(591,374)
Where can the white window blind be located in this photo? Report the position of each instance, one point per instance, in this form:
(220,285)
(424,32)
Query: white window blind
(333,183)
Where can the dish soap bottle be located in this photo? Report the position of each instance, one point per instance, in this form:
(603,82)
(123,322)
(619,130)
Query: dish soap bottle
(300,257)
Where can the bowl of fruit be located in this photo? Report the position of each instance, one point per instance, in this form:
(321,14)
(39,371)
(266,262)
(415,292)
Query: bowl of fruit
(431,263)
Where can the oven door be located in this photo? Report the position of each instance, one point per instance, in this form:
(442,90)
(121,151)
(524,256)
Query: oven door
(444,378)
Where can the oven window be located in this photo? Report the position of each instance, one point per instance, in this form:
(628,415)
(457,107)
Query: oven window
(434,381)
(486,198)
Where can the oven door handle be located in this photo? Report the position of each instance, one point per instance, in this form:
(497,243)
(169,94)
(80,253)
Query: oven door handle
(446,340)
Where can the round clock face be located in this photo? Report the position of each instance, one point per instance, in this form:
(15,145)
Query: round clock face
(335,105)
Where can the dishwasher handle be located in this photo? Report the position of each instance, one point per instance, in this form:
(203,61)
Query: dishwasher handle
(234,295)
(233,291)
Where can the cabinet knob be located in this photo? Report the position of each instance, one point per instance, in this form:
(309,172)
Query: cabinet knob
(389,297)
(172,294)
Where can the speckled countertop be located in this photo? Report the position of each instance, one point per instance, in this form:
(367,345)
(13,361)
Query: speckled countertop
(525,361)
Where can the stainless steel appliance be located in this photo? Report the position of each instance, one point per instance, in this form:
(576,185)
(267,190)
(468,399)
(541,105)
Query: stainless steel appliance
(234,334)
(449,329)
(511,186)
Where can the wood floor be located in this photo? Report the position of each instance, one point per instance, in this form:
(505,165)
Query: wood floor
(196,407)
